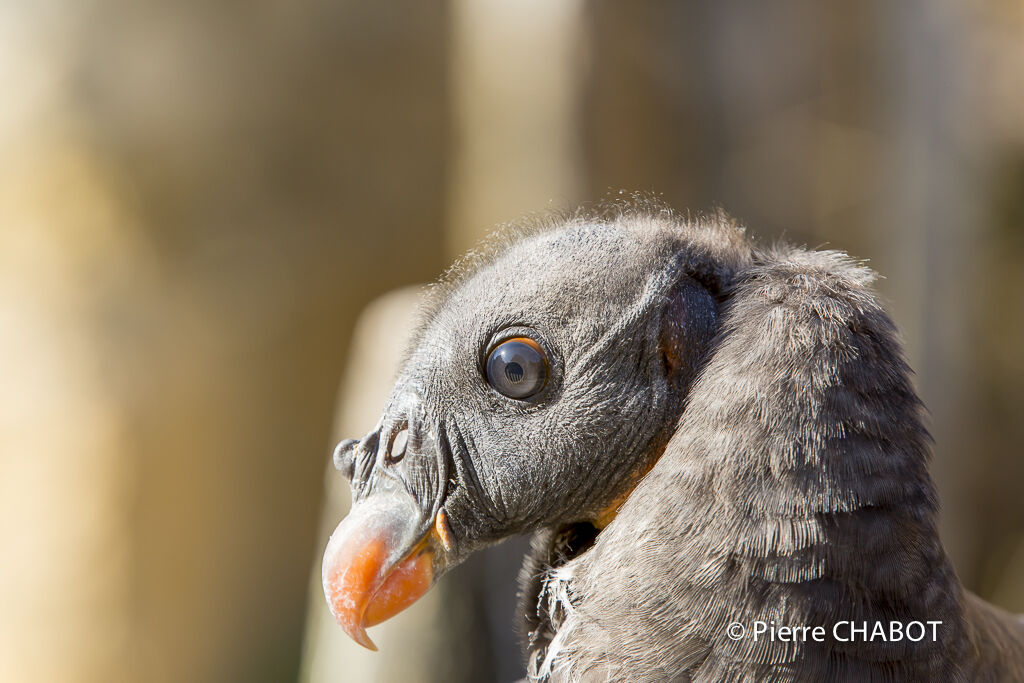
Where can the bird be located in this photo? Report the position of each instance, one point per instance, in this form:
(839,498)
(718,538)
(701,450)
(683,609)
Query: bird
(715,444)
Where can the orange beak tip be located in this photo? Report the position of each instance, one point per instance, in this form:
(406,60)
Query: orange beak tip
(360,636)
(351,621)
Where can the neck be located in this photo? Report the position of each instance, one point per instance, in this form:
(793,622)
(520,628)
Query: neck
(794,490)
(803,461)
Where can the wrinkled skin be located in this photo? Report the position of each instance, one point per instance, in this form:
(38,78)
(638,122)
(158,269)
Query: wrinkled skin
(594,296)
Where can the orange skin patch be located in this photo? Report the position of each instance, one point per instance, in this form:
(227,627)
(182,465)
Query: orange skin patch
(443,531)
(605,516)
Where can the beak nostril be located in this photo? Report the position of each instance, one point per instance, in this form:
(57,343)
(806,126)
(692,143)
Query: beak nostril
(344,457)
(399,443)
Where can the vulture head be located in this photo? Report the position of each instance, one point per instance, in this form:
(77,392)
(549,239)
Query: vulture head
(697,430)
(542,384)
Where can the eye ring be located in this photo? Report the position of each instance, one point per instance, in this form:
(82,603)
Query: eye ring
(517,368)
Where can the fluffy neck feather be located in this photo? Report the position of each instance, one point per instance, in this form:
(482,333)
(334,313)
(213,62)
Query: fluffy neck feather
(795,490)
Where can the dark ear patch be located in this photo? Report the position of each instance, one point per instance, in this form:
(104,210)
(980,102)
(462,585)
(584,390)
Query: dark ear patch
(689,322)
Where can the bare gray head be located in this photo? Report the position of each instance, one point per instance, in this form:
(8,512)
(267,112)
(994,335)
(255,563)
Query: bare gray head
(567,351)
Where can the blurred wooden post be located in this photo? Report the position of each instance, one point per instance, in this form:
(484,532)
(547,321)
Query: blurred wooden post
(68,251)
(928,225)
(66,457)
(194,204)
(516,82)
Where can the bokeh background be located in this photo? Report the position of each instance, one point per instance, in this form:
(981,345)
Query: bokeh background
(197,199)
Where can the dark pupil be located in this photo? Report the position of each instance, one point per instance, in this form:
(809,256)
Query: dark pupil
(514,372)
(517,369)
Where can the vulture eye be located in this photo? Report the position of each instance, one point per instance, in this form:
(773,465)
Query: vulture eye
(517,368)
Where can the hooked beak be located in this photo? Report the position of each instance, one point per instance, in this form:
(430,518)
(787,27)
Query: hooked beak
(379,561)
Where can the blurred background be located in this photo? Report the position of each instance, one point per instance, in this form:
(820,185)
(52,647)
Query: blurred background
(198,199)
